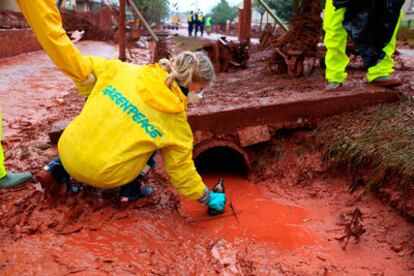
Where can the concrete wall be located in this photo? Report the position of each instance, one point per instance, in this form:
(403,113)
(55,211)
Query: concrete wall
(103,18)
(15,42)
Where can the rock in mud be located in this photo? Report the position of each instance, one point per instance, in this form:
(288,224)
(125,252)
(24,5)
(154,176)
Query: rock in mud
(57,129)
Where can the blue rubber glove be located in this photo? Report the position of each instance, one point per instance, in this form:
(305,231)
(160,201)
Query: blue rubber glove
(217,201)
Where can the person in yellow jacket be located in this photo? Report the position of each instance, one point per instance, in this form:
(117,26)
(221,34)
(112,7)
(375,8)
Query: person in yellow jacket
(336,59)
(201,21)
(131,112)
(190,22)
(8,180)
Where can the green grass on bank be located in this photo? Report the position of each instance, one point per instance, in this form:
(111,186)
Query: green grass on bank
(378,141)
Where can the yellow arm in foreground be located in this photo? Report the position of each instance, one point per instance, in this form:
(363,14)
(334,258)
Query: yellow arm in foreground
(179,165)
(45,20)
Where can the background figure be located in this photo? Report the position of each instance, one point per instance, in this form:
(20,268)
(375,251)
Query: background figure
(8,180)
(175,22)
(190,21)
(65,4)
(202,22)
(196,23)
(209,24)
(59,3)
(336,59)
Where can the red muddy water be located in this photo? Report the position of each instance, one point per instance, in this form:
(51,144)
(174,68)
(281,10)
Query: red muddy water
(254,218)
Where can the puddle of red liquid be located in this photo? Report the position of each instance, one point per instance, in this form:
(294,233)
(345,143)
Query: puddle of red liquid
(259,219)
(126,241)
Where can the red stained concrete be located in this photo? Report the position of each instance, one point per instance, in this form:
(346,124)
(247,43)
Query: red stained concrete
(15,42)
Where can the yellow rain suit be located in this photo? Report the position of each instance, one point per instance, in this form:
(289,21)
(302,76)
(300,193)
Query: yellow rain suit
(129,114)
(2,168)
(335,40)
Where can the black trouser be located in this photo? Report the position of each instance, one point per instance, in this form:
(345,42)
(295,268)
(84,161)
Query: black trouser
(190,28)
(202,29)
(59,3)
(59,173)
(197,28)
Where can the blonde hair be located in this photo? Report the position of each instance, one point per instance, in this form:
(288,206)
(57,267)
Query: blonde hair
(188,66)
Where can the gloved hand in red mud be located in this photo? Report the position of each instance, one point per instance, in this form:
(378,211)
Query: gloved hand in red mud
(217,202)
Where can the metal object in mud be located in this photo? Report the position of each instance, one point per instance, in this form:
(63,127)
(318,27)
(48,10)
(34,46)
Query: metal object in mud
(234,212)
(218,188)
(225,54)
(353,229)
(225,215)
(300,41)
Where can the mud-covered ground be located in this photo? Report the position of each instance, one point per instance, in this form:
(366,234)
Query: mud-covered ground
(287,221)
(239,88)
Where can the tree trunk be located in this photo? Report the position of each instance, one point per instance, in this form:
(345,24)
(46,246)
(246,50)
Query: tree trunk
(295,8)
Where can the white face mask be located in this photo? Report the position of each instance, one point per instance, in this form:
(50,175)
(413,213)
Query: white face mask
(193,98)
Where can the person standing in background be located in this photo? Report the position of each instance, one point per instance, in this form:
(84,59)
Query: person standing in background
(209,24)
(196,23)
(202,22)
(190,22)
(369,22)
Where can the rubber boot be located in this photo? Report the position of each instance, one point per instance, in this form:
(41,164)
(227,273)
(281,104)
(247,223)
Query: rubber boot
(333,86)
(53,188)
(14,179)
(133,191)
(387,82)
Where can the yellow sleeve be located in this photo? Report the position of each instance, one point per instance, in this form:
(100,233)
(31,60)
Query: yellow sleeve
(183,176)
(97,65)
(45,20)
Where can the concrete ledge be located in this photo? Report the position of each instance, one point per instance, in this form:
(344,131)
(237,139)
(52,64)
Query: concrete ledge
(313,106)
(240,122)
(18,41)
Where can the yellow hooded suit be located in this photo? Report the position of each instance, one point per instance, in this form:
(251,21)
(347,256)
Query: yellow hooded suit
(129,114)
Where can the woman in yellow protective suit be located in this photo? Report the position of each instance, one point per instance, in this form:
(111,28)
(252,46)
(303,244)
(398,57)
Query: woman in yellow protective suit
(131,112)
(336,58)
(8,180)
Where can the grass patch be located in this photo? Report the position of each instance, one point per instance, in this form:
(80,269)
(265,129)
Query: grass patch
(278,155)
(378,141)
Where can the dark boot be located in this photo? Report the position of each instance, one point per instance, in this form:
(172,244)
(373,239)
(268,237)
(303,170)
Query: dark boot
(14,179)
(55,180)
(386,82)
(53,188)
(133,191)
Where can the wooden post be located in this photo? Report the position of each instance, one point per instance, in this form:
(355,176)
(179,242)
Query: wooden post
(121,31)
(240,25)
(247,22)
